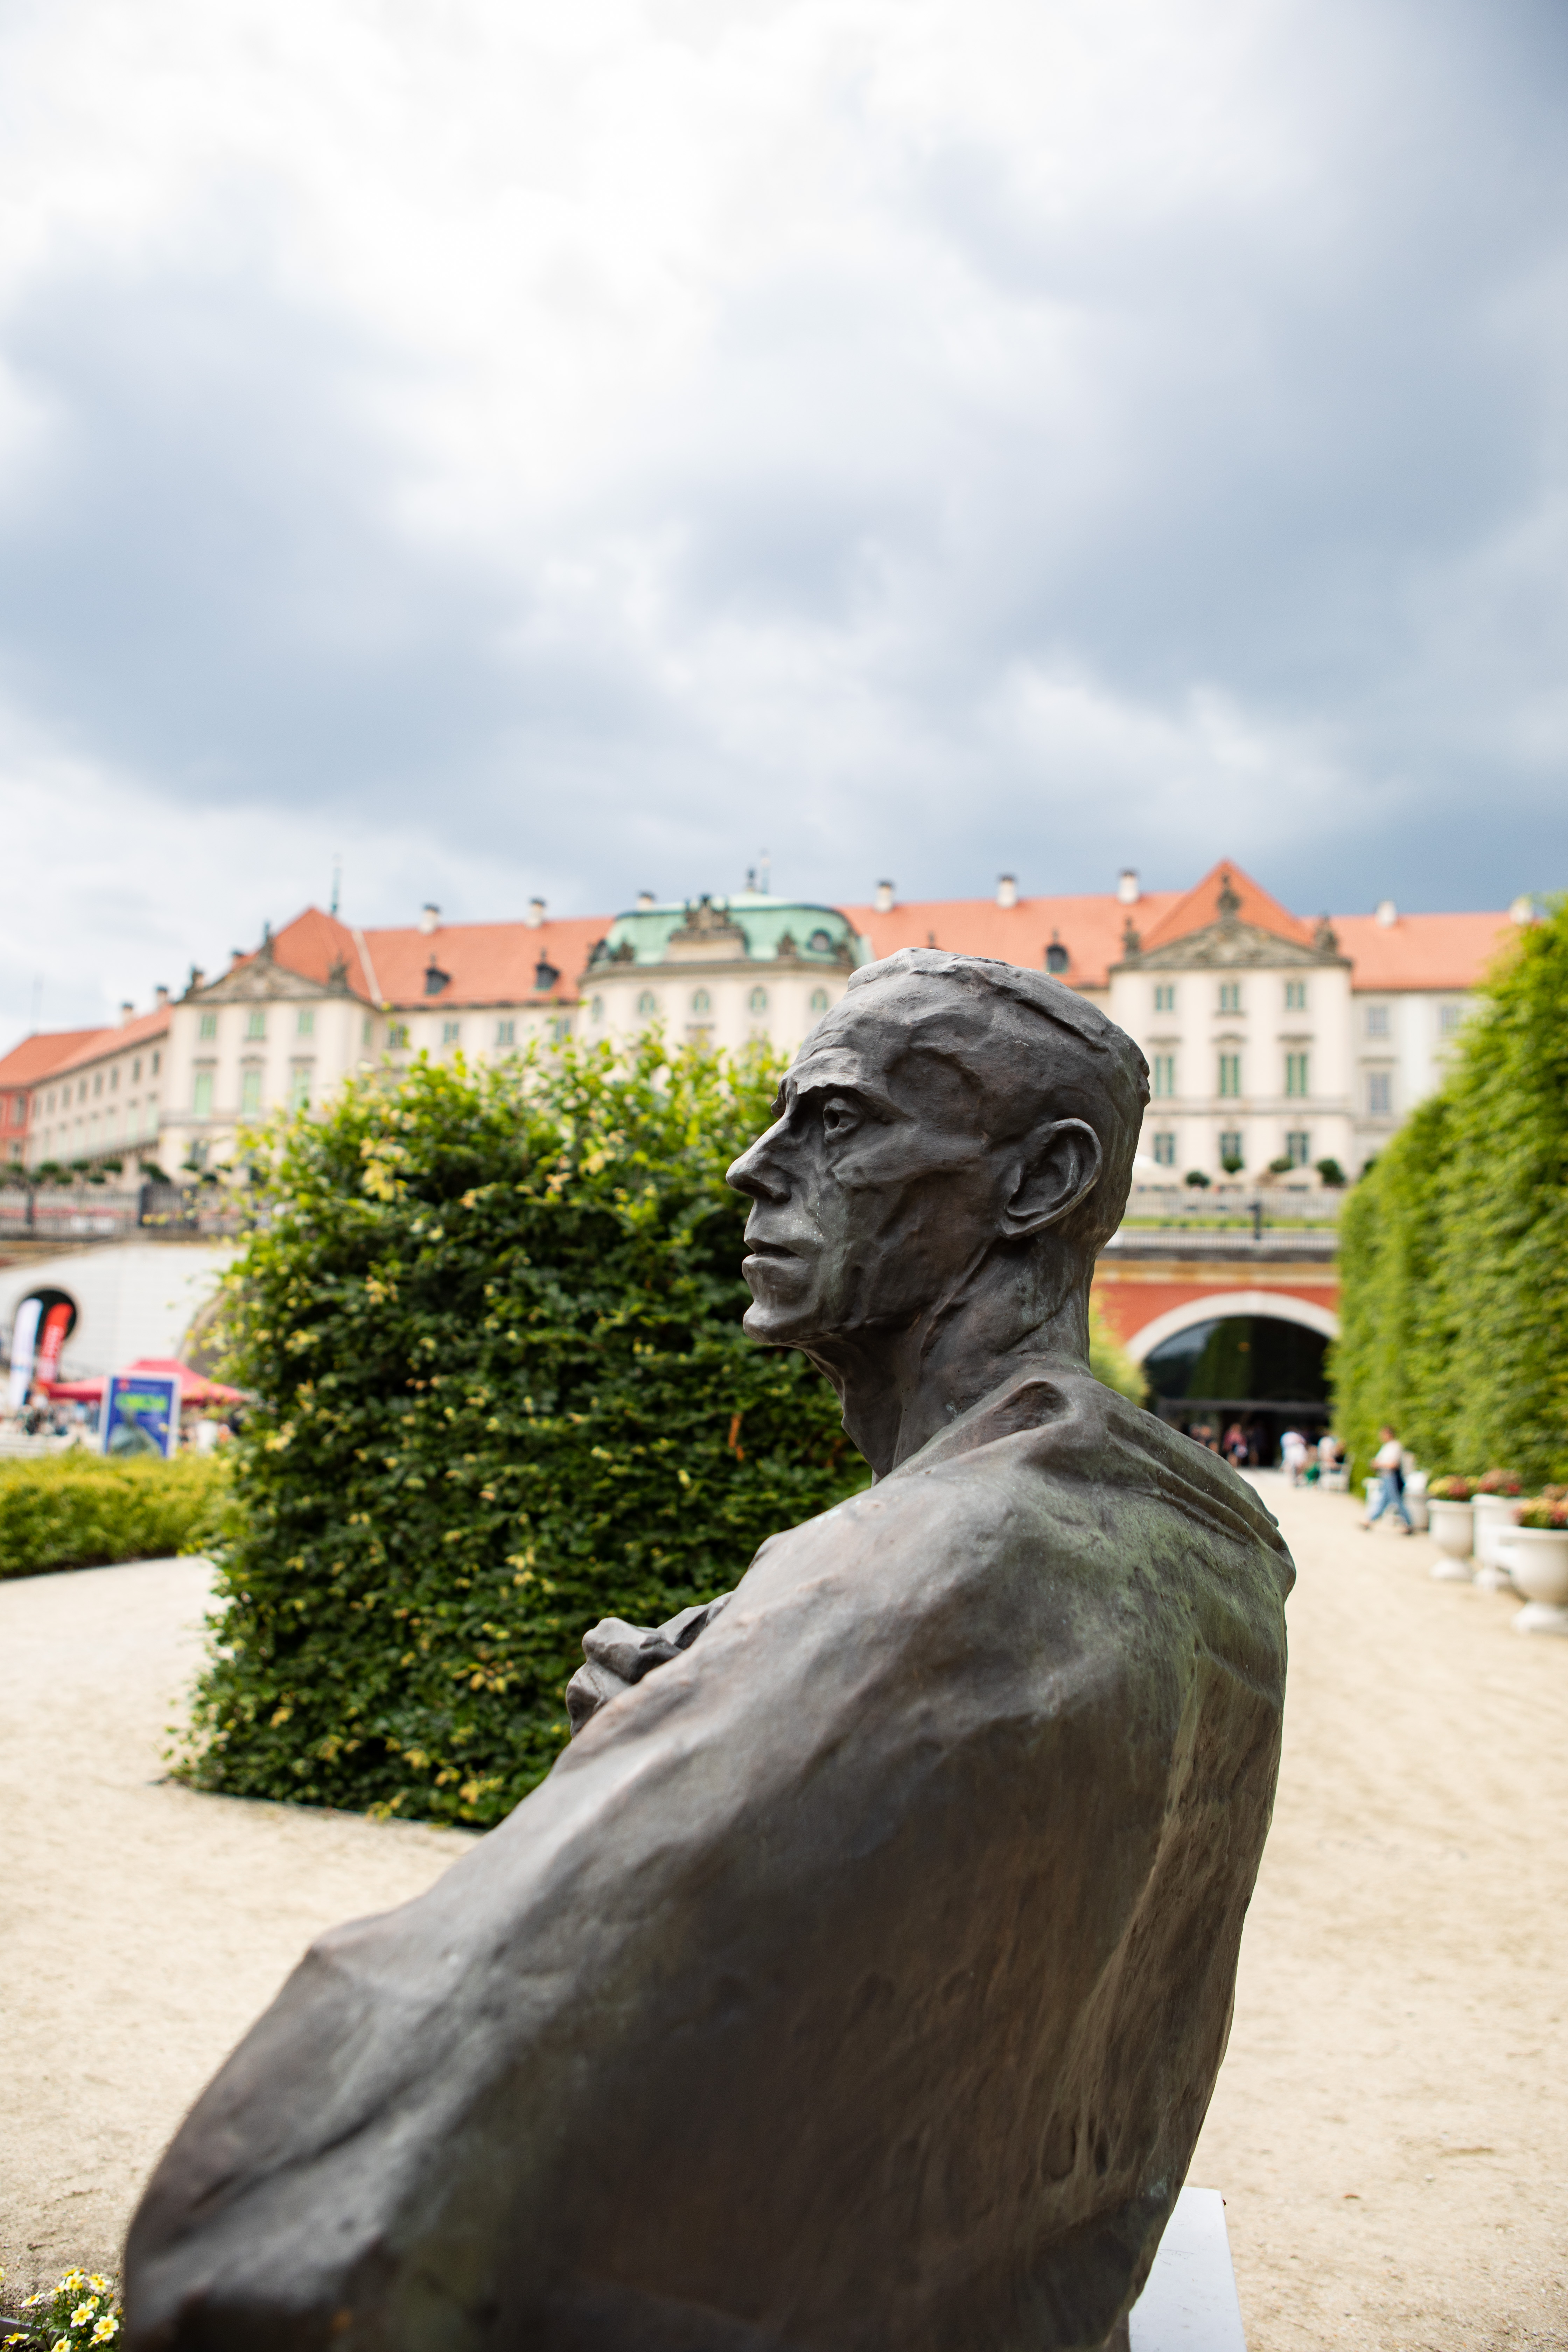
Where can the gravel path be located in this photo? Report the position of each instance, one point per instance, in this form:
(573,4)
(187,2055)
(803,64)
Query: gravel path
(1390,2130)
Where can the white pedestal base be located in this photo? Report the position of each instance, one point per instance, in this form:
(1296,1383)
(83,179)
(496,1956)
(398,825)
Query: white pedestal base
(1189,2303)
(1493,1579)
(1539,1617)
(1453,1572)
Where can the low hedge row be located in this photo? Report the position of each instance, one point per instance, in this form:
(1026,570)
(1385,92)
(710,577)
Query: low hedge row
(82,1510)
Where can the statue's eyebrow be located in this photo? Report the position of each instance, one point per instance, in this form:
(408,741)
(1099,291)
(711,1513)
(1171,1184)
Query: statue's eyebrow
(794,1091)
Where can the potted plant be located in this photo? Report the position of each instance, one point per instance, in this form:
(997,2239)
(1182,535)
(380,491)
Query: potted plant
(1537,1556)
(1495,1495)
(1451,1524)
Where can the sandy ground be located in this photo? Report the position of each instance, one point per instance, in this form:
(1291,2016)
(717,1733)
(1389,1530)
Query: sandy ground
(1391,2127)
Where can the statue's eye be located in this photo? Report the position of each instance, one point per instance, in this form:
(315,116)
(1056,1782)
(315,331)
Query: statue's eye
(839,1116)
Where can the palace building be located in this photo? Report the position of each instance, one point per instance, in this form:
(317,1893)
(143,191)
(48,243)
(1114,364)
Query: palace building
(1275,1042)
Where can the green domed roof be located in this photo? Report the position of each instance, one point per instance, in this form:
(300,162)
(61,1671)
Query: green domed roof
(759,925)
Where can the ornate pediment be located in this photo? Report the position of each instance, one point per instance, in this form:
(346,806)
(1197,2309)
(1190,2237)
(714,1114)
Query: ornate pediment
(708,935)
(1222,945)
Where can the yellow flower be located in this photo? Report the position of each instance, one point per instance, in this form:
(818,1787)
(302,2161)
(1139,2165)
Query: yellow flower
(105,2332)
(96,2279)
(84,2312)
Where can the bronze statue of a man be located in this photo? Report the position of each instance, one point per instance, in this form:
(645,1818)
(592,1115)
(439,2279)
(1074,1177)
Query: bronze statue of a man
(858,1980)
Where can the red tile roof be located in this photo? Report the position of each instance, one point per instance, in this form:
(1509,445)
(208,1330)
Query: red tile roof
(40,1056)
(97,1043)
(1422,951)
(493,963)
(1199,907)
(1089,927)
(487,963)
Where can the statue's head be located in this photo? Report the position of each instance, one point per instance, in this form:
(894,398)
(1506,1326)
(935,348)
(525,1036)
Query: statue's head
(952,1123)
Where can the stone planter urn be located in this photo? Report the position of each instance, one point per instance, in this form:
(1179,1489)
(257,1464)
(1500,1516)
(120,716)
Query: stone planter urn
(1452,1530)
(1537,1559)
(1494,1526)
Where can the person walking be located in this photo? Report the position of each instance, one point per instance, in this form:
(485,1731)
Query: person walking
(1389,1463)
(1293,1455)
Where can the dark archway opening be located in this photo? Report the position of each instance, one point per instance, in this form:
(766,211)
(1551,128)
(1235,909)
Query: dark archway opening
(1255,1371)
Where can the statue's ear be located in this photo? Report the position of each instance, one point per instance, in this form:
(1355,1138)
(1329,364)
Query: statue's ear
(1059,1166)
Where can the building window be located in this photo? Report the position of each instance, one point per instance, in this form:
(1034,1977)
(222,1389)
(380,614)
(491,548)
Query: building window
(299,1086)
(305,1021)
(256,1024)
(648,1003)
(702,1002)
(250,1090)
(1295,1074)
(114,1079)
(1295,996)
(450,1032)
(820,943)
(1230,1074)
(136,1071)
(1229,999)
(1165,1151)
(18,1111)
(759,1000)
(1165,1073)
(1166,996)
(157,1059)
(506,1033)
(1297,1146)
(1448,1019)
(396,1034)
(1380,1094)
(1377,1020)
(597,1009)
(206,1027)
(202,1095)
(819,1000)
(1056,957)
(97,1082)
(1231,1156)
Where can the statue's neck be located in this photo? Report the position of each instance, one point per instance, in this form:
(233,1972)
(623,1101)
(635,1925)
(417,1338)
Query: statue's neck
(901,1387)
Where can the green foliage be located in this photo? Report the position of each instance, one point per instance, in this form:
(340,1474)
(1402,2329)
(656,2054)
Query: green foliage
(1109,1359)
(1454,1247)
(81,1509)
(493,1325)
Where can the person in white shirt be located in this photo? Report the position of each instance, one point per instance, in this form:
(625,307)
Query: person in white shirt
(1294,1453)
(1389,1463)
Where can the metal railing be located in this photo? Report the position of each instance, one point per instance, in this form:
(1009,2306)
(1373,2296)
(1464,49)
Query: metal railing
(79,1212)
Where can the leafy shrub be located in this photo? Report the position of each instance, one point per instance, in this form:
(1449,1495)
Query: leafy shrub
(1109,1359)
(494,1329)
(1454,1247)
(1542,1511)
(82,1510)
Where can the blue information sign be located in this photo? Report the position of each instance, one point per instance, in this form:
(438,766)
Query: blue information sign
(140,1415)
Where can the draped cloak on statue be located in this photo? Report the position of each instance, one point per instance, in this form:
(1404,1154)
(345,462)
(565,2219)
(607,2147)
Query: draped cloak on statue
(857,1982)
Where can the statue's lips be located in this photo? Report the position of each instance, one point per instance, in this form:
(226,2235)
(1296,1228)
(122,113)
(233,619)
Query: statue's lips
(762,1254)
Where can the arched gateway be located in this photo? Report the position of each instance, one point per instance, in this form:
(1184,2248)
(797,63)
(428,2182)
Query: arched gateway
(1256,1358)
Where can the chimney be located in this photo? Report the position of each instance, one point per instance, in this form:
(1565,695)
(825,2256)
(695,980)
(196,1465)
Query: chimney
(160,998)
(645,900)
(535,913)
(1127,892)
(127,1013)
(1523,910)
(1006,890)
(429,916)
(1387,913)
(197,976)
(884,897)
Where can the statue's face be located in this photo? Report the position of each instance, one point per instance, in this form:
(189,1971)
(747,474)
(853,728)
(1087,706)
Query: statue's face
(877,1186)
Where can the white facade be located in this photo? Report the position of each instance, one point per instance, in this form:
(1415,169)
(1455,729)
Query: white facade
(106,1103)
(730,973)
(131,1298)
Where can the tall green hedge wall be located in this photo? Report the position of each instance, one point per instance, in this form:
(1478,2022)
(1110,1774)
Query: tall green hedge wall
(494,1326)
(1455,1244)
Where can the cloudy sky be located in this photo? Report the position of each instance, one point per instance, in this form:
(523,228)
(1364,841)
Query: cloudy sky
(528,448)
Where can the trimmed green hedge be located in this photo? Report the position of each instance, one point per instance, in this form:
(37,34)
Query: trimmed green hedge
(494,1328)
(1455,1245)
(82,1510)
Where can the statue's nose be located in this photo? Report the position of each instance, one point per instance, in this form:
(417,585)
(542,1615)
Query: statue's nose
(758,1174)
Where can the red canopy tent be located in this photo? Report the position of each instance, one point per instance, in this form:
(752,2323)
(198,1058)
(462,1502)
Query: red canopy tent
(195,1387)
